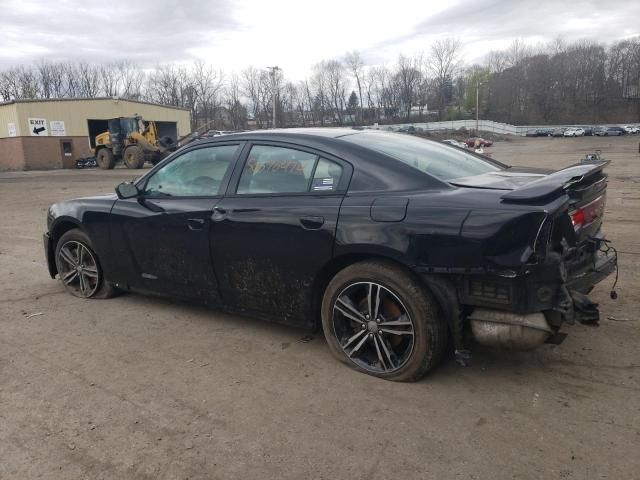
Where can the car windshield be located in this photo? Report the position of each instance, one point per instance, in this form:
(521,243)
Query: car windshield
(434,158)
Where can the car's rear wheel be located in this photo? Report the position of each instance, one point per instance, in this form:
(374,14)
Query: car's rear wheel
(79,268)
(381,320)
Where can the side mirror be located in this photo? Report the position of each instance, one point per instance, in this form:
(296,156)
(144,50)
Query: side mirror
(127,190)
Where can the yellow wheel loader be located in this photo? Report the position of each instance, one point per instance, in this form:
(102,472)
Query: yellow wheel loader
(132,140)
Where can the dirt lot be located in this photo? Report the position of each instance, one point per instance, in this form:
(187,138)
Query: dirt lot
(138,387)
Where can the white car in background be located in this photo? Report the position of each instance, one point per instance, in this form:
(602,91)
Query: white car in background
(574,132)
(455,143)
(631,129)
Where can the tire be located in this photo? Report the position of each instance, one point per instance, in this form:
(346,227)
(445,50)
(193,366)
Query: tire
(89,281)
(105,158)
(133,157)
(383,352)
(166,142)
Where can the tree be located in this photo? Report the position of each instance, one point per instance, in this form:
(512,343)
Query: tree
(352,104)
(560,82)
(444,63)
(408,78)
(356,65)
(336,81)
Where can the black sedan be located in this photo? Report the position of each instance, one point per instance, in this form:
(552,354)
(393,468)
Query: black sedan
(391,244)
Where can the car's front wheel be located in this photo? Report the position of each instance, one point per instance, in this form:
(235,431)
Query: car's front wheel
(381,320)
(79,268)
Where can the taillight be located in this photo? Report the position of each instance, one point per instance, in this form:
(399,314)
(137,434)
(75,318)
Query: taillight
(587,214)
(577,219)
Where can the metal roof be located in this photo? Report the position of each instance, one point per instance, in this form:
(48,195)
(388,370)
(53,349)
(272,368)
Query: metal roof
(86,99)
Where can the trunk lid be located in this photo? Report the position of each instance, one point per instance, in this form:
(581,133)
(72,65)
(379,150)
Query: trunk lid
(584,185)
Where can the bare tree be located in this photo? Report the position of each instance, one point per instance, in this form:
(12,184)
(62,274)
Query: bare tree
(320,82)
(408,78)
(517,52)
(109,80)
(208,85)
(355,64)
(444,63)
(130,79)
(557,82)
(10,84)
(88,80)
(237,111)
(496,61)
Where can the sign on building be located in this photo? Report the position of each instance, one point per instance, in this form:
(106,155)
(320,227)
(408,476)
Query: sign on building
(13,131)
(38,127)
(57,128)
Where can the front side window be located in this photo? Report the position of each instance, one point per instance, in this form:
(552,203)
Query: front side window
(272,169)
(195,173)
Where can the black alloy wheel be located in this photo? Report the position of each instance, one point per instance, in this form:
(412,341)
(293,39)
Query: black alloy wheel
(379,318)
(78,269)
(373,327)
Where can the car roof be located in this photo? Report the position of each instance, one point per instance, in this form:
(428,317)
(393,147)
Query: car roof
(310,132)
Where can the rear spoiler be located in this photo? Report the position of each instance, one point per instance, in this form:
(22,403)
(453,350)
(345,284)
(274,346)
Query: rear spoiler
(554,184)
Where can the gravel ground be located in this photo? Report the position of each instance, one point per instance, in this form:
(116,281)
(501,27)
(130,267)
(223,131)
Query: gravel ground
(140,387)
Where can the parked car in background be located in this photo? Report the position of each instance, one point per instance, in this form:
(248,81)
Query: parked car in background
(558,132)
(473,141)
(615,131)
(574,132)
(539,132)
(600,131)
(631,129)
(455,143)
(588,131)
(393,244)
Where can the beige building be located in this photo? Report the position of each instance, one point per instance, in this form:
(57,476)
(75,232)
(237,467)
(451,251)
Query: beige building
(47,134)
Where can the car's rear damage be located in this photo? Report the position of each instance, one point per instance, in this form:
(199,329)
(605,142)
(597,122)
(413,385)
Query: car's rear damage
(529,288)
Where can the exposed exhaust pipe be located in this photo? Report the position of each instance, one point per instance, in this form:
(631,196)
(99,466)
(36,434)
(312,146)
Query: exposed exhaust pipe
(510,331)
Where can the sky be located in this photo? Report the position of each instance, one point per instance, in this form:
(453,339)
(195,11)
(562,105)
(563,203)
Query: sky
(292,34)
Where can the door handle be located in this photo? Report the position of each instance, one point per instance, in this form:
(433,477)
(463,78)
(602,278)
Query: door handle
(195,223)
(312,223)
(218,214)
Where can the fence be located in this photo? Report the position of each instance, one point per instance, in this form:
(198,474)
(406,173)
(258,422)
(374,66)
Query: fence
(483,125)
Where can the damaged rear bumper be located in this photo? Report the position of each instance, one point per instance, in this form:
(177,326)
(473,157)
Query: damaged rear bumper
(603,266)
(539,288)
(521,312)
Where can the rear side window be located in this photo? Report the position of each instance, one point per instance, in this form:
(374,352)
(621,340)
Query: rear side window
(272,169)
(326,177)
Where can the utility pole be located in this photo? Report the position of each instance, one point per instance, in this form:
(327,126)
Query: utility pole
(477,103)
(274,82)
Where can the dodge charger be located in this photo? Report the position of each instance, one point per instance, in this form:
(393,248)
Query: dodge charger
(394,246)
